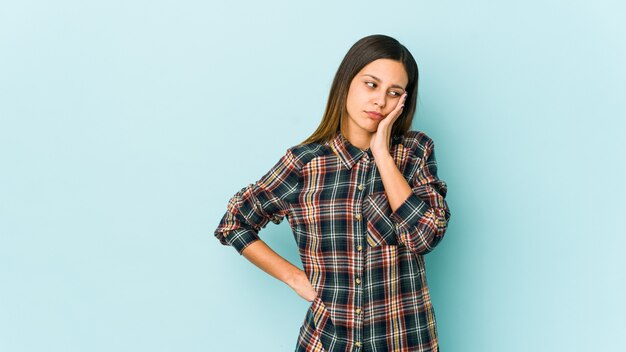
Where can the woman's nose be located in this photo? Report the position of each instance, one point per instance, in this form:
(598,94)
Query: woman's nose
(380,100)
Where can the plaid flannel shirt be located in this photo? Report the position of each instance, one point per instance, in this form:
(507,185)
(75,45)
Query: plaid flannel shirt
(364,260)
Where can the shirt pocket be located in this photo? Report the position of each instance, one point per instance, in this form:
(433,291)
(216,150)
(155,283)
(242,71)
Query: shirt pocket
(407,162)
(381,229)
(318,320)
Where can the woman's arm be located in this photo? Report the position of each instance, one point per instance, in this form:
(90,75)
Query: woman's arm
(396,186)
(253,207)
(261,255)
(418,207)
(421,219)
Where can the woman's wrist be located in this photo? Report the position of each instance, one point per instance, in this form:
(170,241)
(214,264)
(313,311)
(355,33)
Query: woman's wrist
(384,160)
(295,277)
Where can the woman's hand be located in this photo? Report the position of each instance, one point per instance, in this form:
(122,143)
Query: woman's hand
(379,144)
(301,284)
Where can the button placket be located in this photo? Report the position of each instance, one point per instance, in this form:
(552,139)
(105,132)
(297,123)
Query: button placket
(364,168)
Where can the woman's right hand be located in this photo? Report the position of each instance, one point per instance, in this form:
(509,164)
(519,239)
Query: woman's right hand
(303,287)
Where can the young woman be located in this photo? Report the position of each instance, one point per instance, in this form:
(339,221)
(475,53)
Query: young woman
(365,204)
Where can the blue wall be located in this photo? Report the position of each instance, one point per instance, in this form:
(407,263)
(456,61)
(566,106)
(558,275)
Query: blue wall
(125,127)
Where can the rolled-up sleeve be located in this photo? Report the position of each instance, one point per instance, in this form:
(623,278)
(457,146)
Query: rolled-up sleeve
(422,219)
(252,207)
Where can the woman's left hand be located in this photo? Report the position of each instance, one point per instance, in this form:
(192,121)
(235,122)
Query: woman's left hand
(379,144)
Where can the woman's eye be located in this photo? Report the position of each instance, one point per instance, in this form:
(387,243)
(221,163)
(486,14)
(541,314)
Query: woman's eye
(395,94)
(371,84)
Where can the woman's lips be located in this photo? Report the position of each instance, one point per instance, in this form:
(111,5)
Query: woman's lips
(375,115)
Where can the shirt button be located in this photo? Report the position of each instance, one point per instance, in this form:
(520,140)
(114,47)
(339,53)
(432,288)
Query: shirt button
(357,216)
(359,248)
(360,187)
(357,344)
(357,280)
(358,311)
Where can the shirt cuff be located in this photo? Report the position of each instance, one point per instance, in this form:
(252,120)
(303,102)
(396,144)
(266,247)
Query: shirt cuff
(408,213)
(241,238)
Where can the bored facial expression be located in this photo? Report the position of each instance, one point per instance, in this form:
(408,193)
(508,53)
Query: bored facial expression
(374,92)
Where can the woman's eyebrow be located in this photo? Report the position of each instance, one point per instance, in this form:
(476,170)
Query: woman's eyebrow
(378,79)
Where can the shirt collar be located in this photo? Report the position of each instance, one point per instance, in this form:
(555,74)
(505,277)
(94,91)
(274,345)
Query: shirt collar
(350,154)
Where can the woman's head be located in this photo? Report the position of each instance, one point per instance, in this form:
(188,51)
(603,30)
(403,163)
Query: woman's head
(371,77)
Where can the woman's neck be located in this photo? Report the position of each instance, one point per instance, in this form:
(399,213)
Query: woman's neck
(360,140)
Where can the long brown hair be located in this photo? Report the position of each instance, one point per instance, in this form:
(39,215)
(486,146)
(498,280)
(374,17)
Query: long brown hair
(363,52)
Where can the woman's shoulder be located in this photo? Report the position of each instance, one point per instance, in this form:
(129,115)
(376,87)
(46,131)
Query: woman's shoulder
(304,153)
(416,141)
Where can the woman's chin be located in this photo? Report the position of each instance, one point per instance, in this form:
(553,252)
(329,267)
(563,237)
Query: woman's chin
(373,126)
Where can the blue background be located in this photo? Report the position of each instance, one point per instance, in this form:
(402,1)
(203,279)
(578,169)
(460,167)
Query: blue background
(125,127)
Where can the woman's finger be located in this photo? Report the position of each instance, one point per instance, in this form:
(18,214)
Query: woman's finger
(398,109)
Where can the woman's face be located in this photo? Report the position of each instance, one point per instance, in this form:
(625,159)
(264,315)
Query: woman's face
(374,92)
